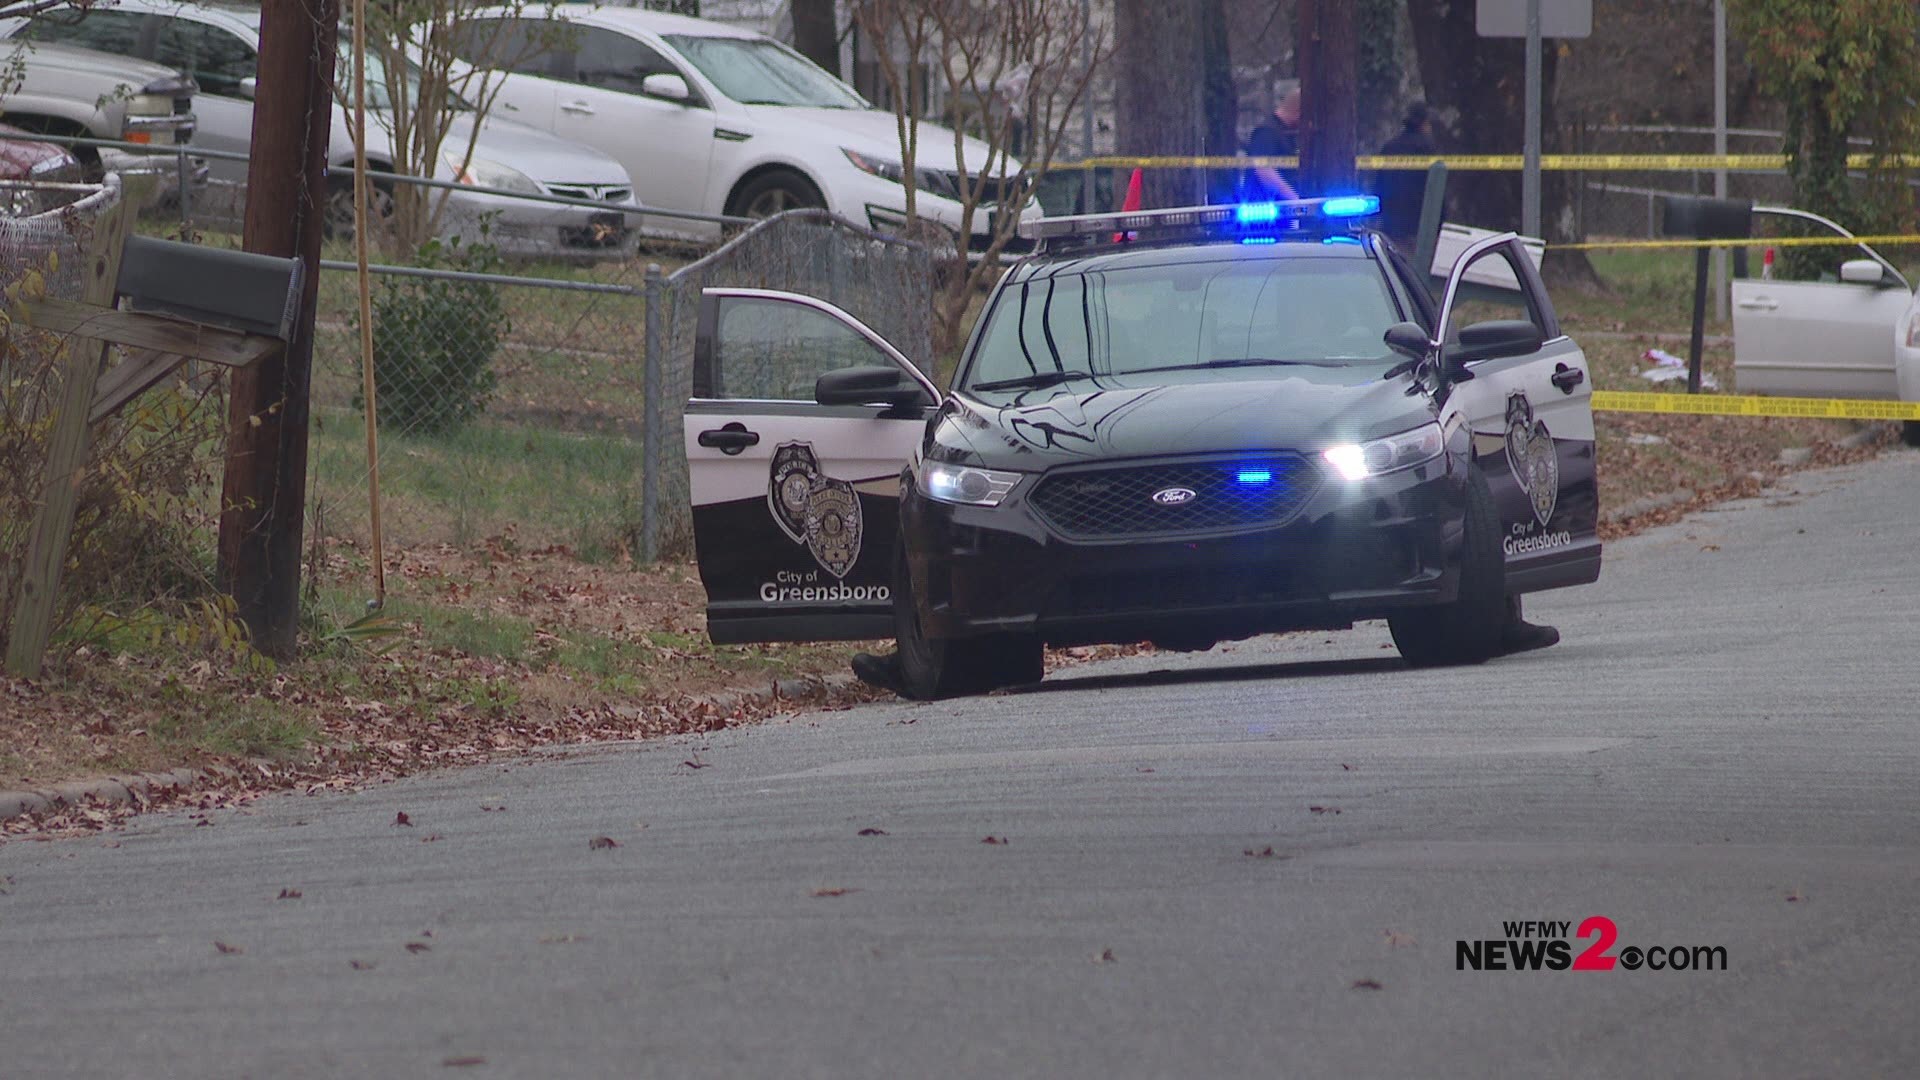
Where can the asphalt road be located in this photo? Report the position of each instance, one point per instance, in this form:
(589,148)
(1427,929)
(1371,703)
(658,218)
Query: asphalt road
(1722,752)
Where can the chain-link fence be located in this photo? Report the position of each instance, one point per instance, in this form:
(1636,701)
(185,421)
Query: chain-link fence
(546,411)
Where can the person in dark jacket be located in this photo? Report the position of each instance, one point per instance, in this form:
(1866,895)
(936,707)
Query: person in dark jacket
(1402,191)
(1276,136)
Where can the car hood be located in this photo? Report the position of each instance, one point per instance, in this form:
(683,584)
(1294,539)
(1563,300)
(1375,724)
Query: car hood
(71,58)
(871,131)
(1037,430)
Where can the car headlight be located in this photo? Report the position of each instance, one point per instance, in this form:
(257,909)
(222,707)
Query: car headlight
(480,172)
(1913,331)
(873,166)
(965,484)
(1357,461)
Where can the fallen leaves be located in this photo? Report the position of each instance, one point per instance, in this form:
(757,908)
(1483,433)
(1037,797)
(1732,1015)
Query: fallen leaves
(1323,809)
(418,947)
(1794,897)
(288,894)
(871,832)
(462,1062)
(1264,853)
(401,819)
(361,965)
(1105,956)
(228,950)
(999,840)
(602,843)
(834,890)
(1367,984)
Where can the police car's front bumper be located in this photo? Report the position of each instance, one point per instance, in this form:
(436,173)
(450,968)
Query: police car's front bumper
(1356,550)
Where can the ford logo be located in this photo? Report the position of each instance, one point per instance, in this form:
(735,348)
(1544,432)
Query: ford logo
(1174,496)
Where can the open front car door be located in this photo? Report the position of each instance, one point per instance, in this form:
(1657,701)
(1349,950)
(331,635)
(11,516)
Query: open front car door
(1524,388)
(800,423)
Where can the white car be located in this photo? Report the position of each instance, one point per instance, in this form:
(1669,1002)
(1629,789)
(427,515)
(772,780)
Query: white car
(1855,336)
(714,119)
(219,47)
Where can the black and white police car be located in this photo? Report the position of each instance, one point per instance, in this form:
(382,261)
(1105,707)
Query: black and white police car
(1179,426)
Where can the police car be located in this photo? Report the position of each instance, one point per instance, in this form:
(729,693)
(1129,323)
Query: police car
(1178,426)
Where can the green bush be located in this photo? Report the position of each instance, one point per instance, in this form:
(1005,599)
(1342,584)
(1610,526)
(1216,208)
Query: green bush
(434,342)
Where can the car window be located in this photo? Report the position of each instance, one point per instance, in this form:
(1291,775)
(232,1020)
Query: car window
(774,350)
(216,59)
(609,60)
(1191,317)
(116,32)
(507,45)
(1494,298)
(759,71)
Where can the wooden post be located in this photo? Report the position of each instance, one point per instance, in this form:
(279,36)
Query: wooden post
(67,440)
(1329,89)
(263,498)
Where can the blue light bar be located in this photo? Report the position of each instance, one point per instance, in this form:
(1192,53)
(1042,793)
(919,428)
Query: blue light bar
(1255,476)
(1258,213)
(1259,239)
(1350,206)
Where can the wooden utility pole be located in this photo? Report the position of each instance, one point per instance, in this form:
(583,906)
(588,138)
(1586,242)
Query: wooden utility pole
(264,497)
(1329,92)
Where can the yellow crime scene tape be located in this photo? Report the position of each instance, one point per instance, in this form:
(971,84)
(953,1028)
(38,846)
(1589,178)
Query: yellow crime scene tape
(1751,405)
(1491,162)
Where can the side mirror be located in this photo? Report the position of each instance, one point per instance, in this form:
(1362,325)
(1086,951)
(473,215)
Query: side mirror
(867,386)
(666,86)
(1408,340)
(247,86)
(1862,272)
(1496,338)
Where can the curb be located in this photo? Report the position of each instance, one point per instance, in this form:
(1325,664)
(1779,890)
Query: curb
(109,789)
(122,790)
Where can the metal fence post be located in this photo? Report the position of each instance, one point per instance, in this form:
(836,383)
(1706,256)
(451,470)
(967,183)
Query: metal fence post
(186,195)
(654,446)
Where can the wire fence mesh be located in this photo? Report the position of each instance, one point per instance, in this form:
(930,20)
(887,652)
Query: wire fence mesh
(546,412)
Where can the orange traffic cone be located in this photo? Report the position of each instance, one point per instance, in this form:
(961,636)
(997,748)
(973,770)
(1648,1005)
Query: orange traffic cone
(1132,202)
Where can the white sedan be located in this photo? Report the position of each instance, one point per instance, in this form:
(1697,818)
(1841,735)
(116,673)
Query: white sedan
(219,47)
(713,119)
(1856,335)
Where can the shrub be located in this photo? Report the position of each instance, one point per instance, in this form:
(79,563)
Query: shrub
(434,342)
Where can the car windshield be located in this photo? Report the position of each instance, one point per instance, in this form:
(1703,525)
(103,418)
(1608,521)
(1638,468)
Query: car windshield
(1186,322)
(756,71)
(379,91)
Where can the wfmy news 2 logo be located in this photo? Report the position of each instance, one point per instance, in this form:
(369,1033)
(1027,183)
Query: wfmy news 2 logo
(1534,945)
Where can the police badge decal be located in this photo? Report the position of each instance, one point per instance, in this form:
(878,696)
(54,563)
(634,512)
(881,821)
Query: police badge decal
(833,525)
(1531,453)
(814,509)
(789,484)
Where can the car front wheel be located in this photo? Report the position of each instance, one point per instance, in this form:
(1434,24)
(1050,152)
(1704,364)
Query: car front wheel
(933,668)
(1466,631)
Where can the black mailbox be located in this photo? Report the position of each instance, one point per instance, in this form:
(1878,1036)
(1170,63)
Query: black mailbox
(1704,217)
(238,290)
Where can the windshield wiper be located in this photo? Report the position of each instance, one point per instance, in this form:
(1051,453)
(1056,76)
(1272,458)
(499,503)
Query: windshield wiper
(1033,382)
(1248,362)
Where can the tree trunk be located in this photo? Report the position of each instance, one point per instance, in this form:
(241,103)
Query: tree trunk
(815,34)
(1477,86)
(1158,103)
(1220,99)
(1329,85)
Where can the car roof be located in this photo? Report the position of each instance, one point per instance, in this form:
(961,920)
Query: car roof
(626,18)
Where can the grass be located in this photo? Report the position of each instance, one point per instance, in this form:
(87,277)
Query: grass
(484,480)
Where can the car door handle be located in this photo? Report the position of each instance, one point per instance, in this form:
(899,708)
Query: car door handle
(1760,303)
(731,439)
(1566,378)
(580,107)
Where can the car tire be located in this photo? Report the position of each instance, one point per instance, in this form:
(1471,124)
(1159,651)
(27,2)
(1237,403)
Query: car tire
(339,212)
(932,668)
(1910,432)
(1467,630)
(775,193)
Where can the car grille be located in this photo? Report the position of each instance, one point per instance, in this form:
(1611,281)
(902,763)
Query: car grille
(1110,503)
(591,192)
